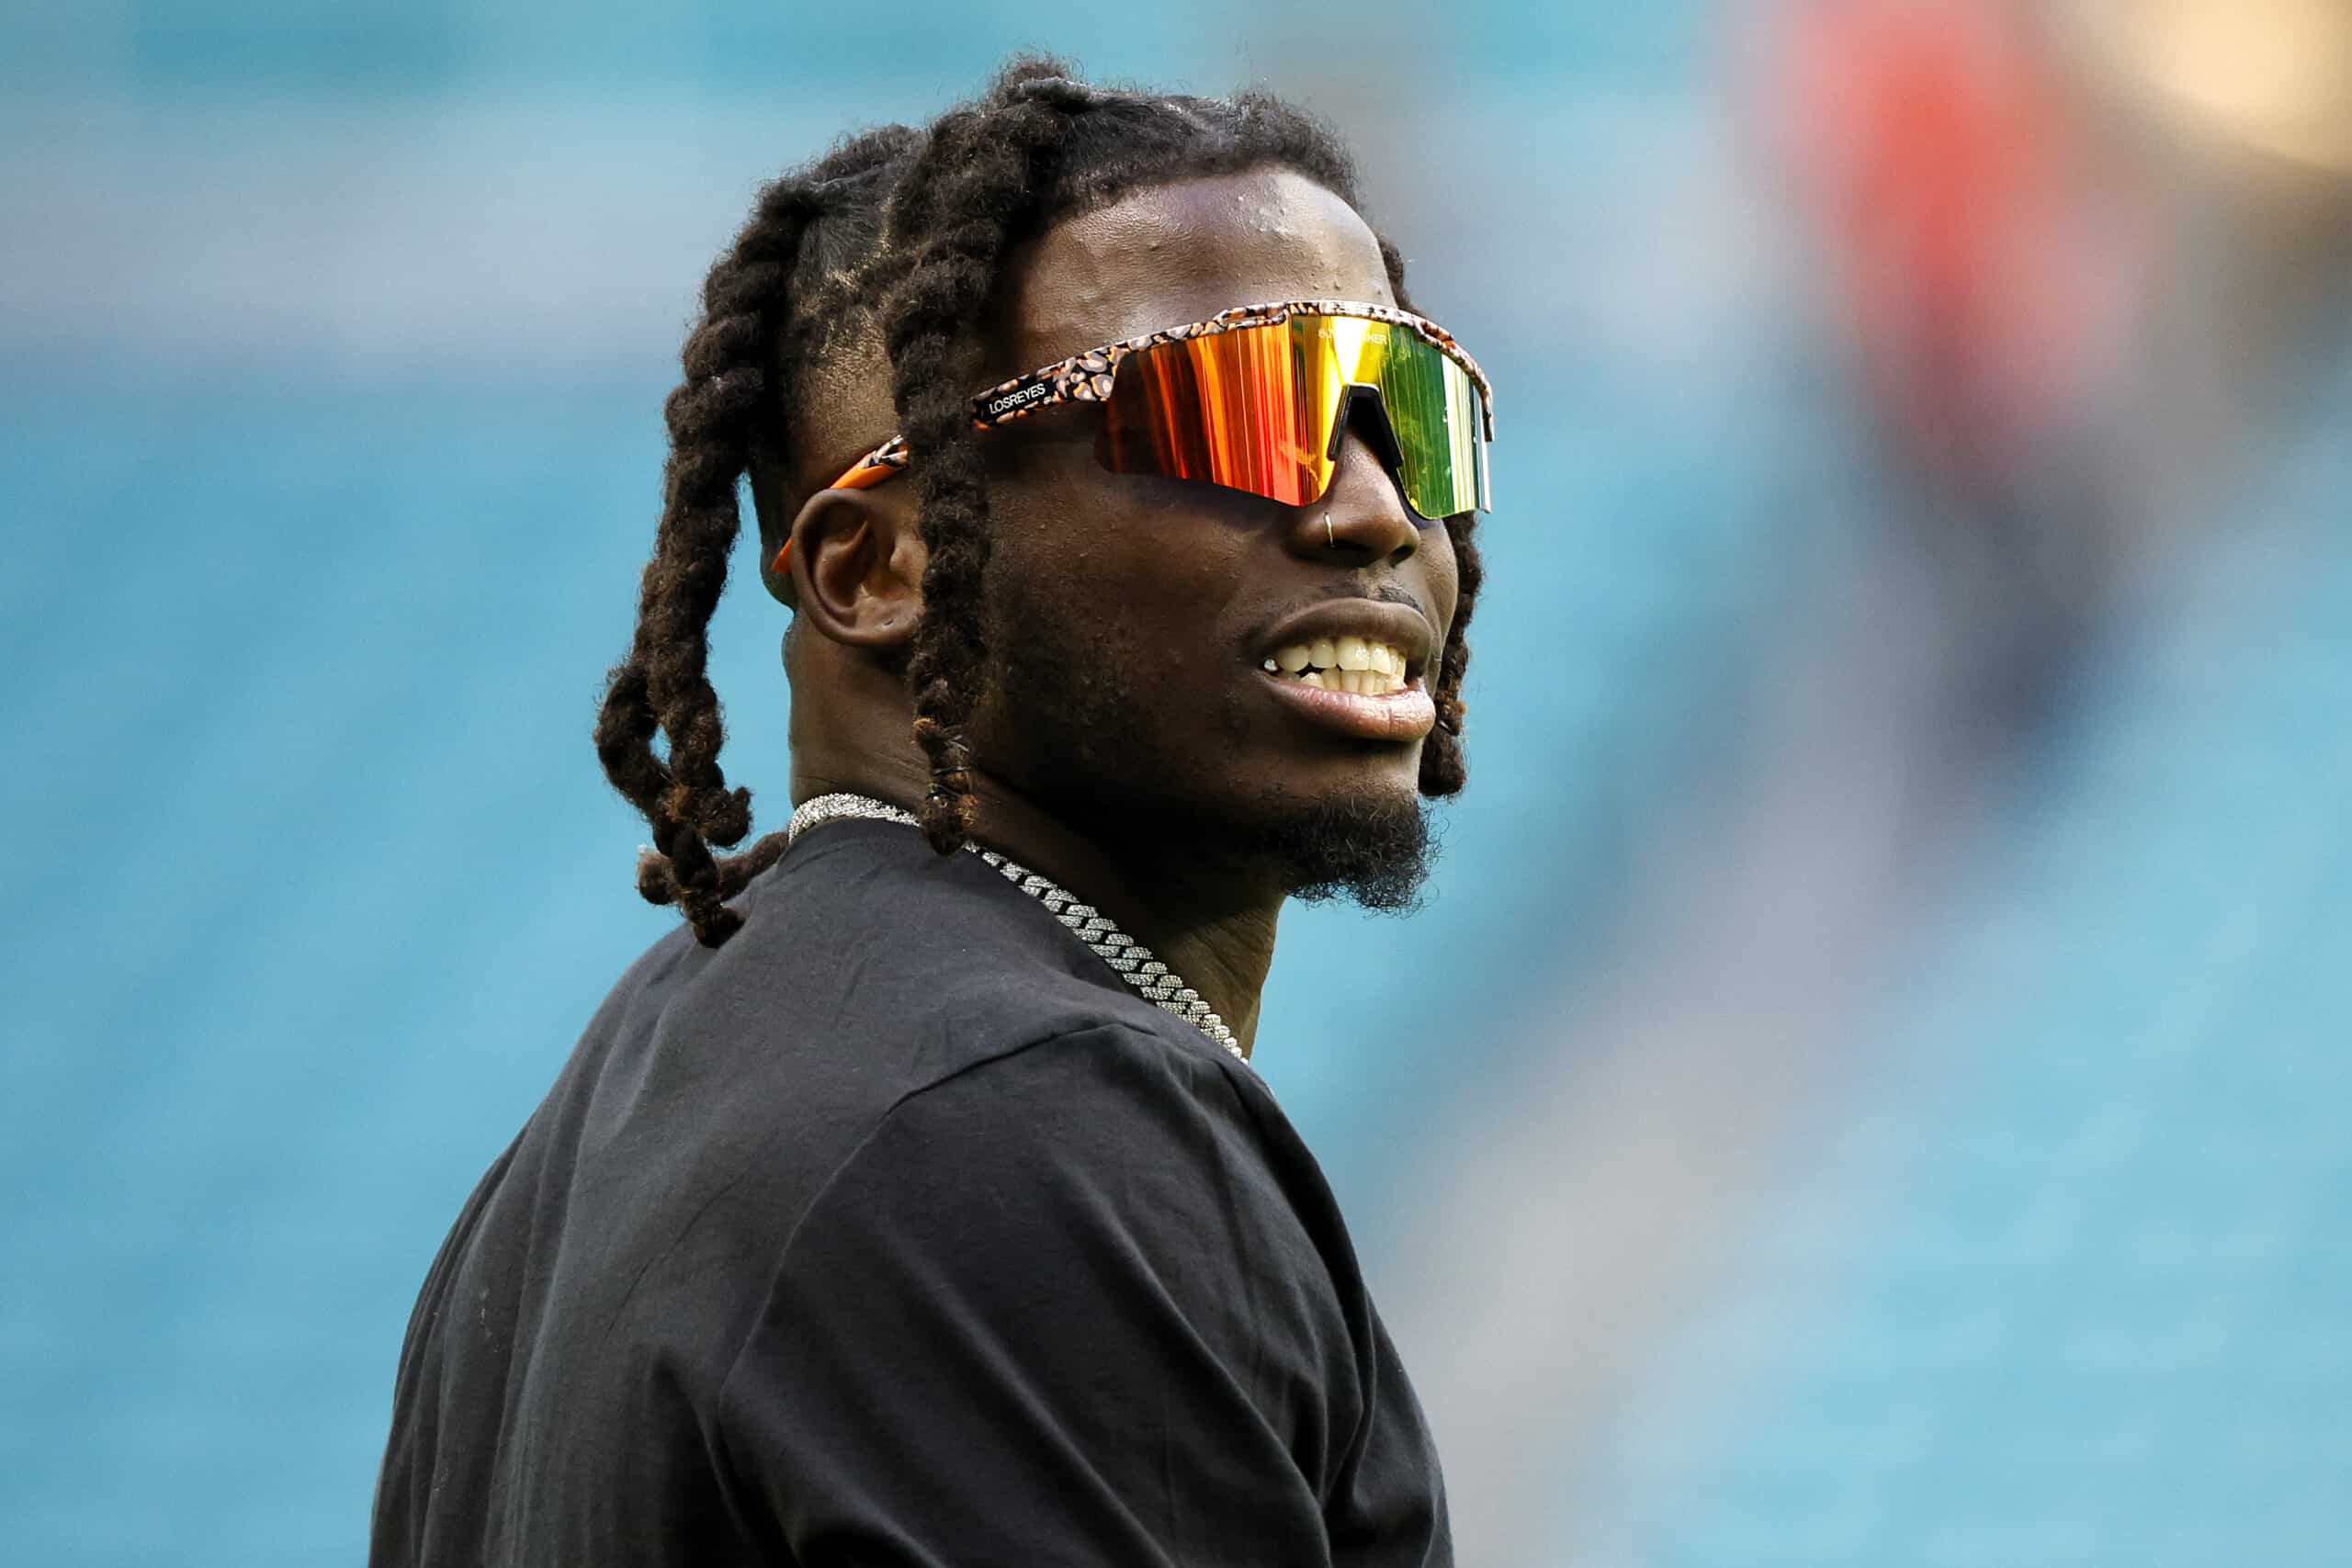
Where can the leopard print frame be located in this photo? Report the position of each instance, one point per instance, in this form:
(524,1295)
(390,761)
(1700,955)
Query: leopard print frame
(1086,377)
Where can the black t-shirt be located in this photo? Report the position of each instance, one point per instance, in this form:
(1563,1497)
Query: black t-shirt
(900,1233)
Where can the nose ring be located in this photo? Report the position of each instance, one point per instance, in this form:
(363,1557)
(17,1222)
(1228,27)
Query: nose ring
(1328,539)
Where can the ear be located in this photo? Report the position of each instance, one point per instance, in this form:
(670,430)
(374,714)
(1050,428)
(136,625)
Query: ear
(856,565)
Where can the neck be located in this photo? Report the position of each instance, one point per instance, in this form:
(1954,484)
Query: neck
(1207,920)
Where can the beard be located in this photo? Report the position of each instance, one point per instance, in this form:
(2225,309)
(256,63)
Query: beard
(1082,717)
(1374,850)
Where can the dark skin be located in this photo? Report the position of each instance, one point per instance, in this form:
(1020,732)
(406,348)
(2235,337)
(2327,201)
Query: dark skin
(1148,602)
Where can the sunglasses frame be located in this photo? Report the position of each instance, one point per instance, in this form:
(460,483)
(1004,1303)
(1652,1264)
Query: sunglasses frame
(1086,377)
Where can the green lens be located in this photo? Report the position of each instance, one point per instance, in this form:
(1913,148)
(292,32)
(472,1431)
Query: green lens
(1435,408)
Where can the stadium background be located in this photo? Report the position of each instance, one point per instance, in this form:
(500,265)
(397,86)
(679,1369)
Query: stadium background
(1868,1084)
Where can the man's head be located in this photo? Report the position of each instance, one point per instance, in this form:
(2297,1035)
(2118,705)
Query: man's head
(1094,642)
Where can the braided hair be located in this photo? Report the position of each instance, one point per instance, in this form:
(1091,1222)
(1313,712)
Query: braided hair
(902,234)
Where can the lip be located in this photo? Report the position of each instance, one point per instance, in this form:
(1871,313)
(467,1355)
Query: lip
(1407,714)
(1374,620)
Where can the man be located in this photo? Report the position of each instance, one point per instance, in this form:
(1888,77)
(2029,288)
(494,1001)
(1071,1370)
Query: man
(920,1207)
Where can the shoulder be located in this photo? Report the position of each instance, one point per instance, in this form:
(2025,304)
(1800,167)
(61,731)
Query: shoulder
(939,961)
(1107,1139)
(1110,1101)
(1101,1185)
(894,1039)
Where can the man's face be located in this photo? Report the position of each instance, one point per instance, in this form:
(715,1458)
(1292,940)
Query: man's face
(1130,617)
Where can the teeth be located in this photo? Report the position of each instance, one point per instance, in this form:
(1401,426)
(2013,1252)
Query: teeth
(1343,664)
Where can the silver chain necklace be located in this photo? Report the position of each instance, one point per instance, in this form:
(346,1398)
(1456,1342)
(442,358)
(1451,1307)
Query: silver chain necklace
(1131,960)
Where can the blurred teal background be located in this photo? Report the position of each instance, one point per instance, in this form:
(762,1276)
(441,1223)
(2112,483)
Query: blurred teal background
(1867,1086)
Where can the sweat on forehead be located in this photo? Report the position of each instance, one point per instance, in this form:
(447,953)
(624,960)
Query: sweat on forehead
(1180,251)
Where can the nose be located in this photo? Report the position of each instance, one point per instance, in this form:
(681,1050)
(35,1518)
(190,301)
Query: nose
(1368,521)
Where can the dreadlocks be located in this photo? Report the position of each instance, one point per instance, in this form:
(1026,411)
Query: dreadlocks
(902,233)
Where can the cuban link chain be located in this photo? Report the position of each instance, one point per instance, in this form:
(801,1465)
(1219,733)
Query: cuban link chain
(1131,960)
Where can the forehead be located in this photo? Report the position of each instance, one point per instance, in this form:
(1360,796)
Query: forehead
(1182,252)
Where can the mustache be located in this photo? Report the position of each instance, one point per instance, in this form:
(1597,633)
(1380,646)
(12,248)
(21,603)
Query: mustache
(1395,594)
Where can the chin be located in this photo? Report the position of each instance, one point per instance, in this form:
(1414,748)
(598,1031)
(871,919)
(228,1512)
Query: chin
(1369,843)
